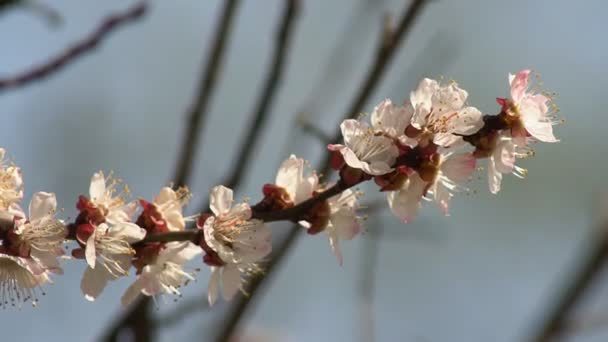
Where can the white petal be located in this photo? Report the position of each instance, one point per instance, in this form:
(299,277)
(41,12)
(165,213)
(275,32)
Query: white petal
(214,285)
(231,281)
(132,293)
(89,252)
(406,202)
(97,189)
(129,232)
(494,177)
(442,197)
(345,224)
(93,282)
(41,205)
(165,195)
(221,199)
(289,175)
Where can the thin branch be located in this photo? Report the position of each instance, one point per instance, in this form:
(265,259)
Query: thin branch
(556,320)
(265,100)
(388,46)
(75,51)
(206,87)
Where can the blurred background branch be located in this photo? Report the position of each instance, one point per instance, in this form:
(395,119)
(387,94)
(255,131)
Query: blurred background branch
(198,113)
(79,49)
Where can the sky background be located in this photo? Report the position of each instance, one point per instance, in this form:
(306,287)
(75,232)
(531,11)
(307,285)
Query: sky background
(487,273)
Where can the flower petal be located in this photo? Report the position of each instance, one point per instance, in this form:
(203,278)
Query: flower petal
(97,189)
(93,282)
(231,281)
(41,205)
(214,285)
(221,199)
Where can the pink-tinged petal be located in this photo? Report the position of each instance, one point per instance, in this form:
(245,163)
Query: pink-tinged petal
(231,281)
(93,282)
(519,84)
(242,211)
(494,177)
(542,131)
(334,243)
(214,285)
(221,199)
(289,175)
(335,147)
(458,167)
(41,205)
(89,253)
(97,189)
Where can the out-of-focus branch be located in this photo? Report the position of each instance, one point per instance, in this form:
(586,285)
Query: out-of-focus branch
(206,87)
(138,319)
(389,42)
(75,51)
(555,322)
(262,109)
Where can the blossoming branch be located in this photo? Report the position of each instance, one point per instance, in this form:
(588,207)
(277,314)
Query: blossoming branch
(426,149)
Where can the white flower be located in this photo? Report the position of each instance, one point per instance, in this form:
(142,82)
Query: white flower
(440,113)
(344,224)
(28,254)
(108,254)
(11,183)
(405,202)
(530,110)
(113,208)
(364,149)
(238,241)
(502,160)
(291,178)
(42,235)
(166,274)
(453,170)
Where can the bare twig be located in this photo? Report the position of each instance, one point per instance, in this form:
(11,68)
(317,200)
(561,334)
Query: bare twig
(198,112)
(75,51)
(555,321)
(389,43)
(262,109)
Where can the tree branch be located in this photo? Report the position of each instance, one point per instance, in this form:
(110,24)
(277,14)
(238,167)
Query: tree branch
(556,319)
(388,46)
(75,51)
(206,87)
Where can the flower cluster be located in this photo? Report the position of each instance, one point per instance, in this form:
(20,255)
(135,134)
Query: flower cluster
(424,149)
(412,151)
